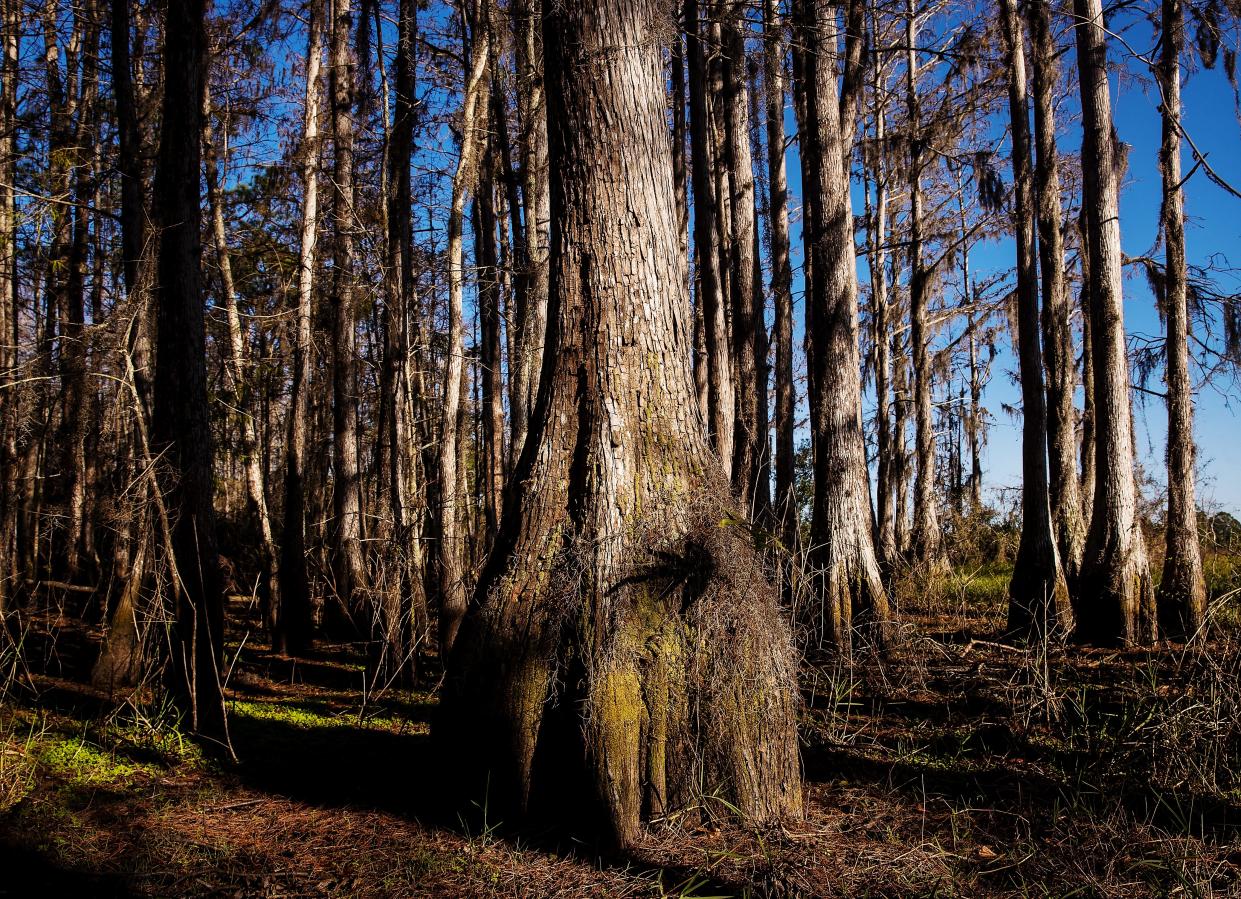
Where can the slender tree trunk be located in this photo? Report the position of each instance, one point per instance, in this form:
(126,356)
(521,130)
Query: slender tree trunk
(256,491)
(781,271)
(669,688)
(348,565)
(1182,589)
(881,328)
(450,545)
(706,215)
(491,461)
(182,435)
(1066,505)
(532,323)
(9,309)
(926,536)
(1115,595)
(1087,449)
(842,551)
(293,616)
(739,168)
(1038,598)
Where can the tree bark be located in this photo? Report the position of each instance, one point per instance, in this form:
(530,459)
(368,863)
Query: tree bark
(449,546)
(1182,589)
(706,227)
(926,537)
(348,564)
(1115,595)
(256,491)
(180,425)
(848,584)
(781,272)
(1066,505)
(293,616)
(1038,597)
(739,167)
(624,643)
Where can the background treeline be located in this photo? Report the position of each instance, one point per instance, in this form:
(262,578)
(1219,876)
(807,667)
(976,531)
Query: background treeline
(323,414)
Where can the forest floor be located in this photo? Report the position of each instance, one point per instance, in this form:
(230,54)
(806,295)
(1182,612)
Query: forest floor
(955,766)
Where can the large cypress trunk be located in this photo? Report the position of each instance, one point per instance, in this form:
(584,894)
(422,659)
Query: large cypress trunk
(625,656)
(842,550)
(180,429)
(1182,589)
(1115,596)
(1037,594)
(1066,504)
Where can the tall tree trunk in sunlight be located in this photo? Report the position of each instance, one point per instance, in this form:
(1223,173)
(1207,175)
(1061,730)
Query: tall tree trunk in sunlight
(1114,592)
(625,657)
(1182,589)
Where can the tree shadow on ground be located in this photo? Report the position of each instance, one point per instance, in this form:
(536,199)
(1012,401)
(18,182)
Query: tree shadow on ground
(29,872)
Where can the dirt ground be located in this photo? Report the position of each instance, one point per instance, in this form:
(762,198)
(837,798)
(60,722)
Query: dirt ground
(956,765)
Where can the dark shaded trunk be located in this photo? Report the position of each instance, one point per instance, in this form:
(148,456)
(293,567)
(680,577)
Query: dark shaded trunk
(180,422)
(625,657)
(781,272)
(1038,598)
(706,227)
(1066,505)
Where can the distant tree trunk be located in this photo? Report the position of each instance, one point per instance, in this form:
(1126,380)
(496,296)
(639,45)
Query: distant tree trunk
(66,269)
(403,600)
(848,584)
(348,565)
(1066,505)
(256,491)
(1087,449)
(974,433)
(491,461)
(1115,595)
(449,546)
(180,427)
(781,272)
(739,166)
(1038,598)
(9,458)
(881,337)
(532,320)
(1182,589)
(294,624)
(613,588)
(706,227)
(926,536)
(900,447)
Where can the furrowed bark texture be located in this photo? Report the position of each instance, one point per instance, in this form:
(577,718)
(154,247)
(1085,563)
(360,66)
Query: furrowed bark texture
(1115,595)
(1182,589)
(1038,598)
(842,551)
(625,656)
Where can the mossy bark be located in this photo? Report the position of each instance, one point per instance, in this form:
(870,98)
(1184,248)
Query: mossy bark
(624,656)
